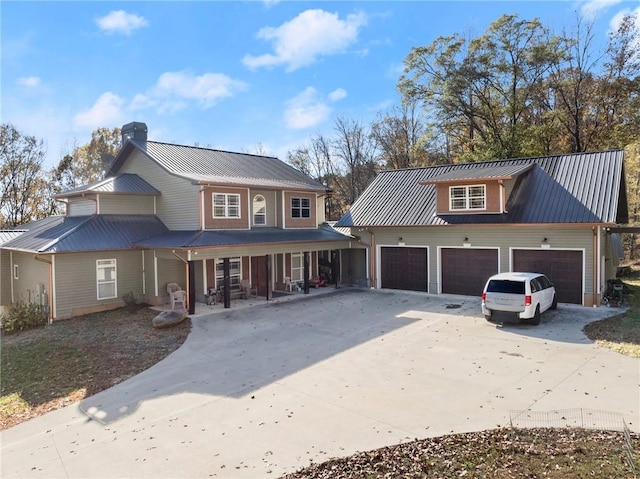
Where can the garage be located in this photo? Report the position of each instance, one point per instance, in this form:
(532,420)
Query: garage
(404,268)
(465,270)
(563,268)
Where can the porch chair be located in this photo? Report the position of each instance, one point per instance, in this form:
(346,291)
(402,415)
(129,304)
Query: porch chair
(246,286)
(173,289)
(179,296)
(288,285)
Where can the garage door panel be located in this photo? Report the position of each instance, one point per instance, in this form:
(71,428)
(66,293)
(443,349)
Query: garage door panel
(563,268)
(403,268)
(465,270)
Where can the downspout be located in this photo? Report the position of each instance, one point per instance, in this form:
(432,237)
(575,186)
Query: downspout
(51,289)
(595,267)
(11,275)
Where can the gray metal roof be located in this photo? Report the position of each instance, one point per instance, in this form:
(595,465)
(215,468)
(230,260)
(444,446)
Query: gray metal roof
(203,165)
(6,235)
(60,234)
(573,188)
(207,239)
(127,183)
(491,172)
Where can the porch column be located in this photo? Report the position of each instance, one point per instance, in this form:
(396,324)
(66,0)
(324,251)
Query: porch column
(267,260)
(306,272)
(191,271)
(226,271)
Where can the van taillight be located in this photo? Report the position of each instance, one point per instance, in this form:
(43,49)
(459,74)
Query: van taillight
(484,297)
(527,300)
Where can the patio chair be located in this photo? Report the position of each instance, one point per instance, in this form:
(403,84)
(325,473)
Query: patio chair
(172,289)
(246,286)
(179,296)
(289,285)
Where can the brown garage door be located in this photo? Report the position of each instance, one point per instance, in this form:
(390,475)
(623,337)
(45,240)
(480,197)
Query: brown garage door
(465,270)
(563,268)
(403,268)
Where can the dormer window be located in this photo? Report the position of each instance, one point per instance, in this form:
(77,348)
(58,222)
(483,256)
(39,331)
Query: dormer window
(472,197)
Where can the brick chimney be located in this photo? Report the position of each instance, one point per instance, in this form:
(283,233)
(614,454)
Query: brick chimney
(134,131)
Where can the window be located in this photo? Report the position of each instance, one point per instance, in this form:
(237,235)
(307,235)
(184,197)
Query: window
(234,271)
(16,271)
(467,197)
(259,210)
(297,267)
(300,208)
(106,278)
(226,205)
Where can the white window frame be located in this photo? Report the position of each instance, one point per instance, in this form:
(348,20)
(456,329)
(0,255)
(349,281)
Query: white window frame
(469,200)
(102,265)
(297,272)
(226,208)
(16,271)
(259,206)
(300,208)
(235,271)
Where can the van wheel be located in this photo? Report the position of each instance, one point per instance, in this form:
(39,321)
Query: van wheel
(554,304)
(536,316)
(487,317)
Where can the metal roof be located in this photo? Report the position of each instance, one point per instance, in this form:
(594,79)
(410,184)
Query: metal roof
(6,235)
(60,234)
(204,165)
(572,188)
(122,184)
(206,239)
(493,172)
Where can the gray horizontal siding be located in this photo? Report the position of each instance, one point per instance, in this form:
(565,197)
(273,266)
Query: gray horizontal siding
(30,273)
(77,207)
(126,205)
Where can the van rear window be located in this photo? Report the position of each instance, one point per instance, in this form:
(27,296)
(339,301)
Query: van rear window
(505,286)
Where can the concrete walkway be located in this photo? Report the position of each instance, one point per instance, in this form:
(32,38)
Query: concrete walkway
(265,390)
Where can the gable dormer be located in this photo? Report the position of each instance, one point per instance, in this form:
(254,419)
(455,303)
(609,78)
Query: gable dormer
(476,189)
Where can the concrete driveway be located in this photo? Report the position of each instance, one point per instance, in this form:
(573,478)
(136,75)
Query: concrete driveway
(263,391)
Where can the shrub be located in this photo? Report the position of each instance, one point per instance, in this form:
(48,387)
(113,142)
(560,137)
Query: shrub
(130,300)
(21,316)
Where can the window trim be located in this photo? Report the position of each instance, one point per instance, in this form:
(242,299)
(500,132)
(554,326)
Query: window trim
(16,272)
(106,263)
(262,204)
(299,269)
(300,209)
(468,199)
(227,206)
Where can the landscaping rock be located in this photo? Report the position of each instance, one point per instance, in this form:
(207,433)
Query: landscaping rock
(166,319)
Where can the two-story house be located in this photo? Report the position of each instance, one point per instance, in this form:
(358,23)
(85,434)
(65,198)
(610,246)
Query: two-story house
(169,213)
(446,229)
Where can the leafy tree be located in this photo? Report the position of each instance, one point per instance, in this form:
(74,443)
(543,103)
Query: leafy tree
(22,183)
(88,163)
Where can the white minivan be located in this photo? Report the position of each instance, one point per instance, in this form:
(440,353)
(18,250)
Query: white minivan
(525,295)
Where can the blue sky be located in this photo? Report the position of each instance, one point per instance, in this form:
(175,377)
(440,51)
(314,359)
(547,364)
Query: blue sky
(229,75)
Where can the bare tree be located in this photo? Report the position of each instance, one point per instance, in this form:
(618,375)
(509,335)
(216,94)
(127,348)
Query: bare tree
(22,184)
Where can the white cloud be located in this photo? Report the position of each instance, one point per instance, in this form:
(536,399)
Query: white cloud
(306,110)
(107,110)
(29,82)
(338,94)
(122,22)
(591,8)
(301,41)
(174,90)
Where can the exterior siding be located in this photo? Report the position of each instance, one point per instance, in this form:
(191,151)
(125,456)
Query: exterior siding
(178,207)
(506,238)
(170,271)
(270,197)
(30,273)
(126,205)
(81,207)
(226,223)
(290,222)
(5,279)
(76,283)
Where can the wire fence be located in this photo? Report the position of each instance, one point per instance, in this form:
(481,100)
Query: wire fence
(577,418)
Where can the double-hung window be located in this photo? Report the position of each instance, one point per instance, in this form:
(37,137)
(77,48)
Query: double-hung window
(467,197)
(300,208)
(234,271)
(226,205)
(297,267)
(107,285)
(259,210)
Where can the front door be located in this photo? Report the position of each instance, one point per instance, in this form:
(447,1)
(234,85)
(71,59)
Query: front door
(259,274)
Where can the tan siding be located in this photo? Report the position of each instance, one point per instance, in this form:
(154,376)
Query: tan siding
(492,190)
(226,223)
(126,205)
(76,283)
(272,204)
(503,237)
(178,207)
(81,207)
(300,222)
(30,273)
(170,271)
(5,278)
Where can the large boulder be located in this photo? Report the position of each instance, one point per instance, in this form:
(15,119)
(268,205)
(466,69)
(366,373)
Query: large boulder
(166,319)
